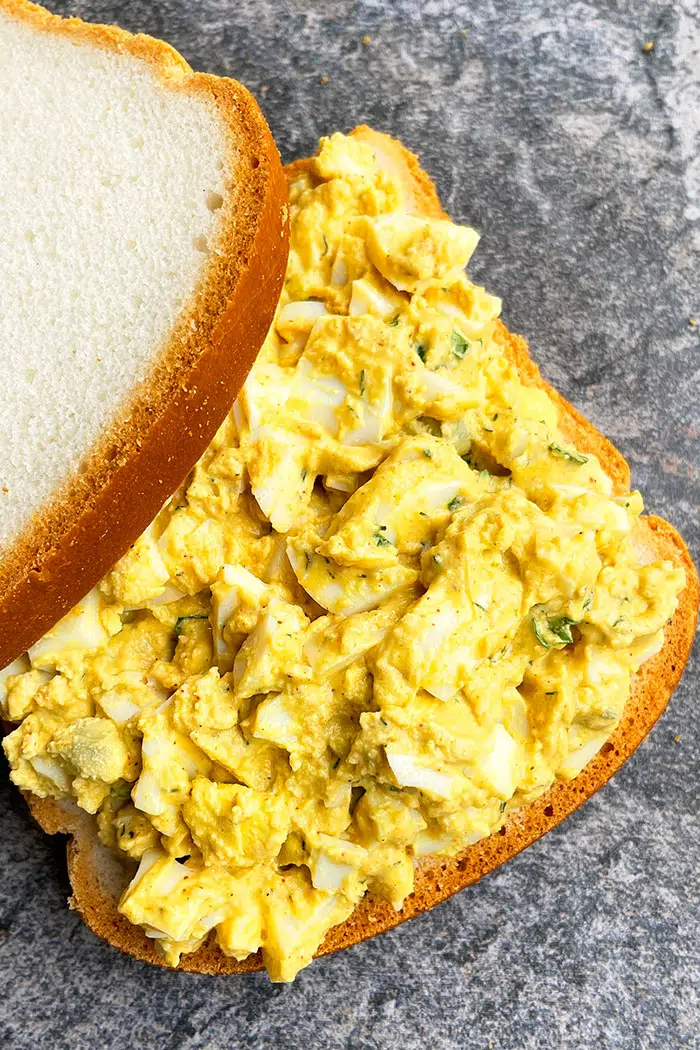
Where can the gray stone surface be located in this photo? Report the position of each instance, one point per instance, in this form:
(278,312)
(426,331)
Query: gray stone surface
(577,156)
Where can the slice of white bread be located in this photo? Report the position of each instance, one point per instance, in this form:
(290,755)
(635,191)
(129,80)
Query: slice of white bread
(144,223)
(98,876)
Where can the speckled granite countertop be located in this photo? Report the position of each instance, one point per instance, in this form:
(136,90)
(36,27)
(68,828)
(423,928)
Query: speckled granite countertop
(577,155)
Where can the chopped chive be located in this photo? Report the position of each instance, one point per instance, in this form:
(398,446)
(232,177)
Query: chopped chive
(177,629)
(562,453)
(554,631)
(459,344)
(382,541)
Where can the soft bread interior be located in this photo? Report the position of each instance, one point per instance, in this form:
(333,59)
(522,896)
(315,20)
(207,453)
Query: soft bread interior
(110,204)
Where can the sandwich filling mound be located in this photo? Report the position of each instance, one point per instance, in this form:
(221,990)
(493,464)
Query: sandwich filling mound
(390,605)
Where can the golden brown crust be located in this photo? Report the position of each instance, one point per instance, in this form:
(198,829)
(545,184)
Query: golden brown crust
(175,412)
(436,879)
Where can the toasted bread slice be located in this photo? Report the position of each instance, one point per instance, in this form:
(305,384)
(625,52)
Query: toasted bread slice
(98,877)
(144,218)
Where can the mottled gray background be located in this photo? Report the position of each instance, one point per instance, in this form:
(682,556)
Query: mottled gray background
(577,156)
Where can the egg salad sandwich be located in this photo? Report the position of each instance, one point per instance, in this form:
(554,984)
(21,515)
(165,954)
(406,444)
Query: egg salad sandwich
(402,617)
(143,211)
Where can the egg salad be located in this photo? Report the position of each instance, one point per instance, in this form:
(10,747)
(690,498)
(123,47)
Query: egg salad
(390,605)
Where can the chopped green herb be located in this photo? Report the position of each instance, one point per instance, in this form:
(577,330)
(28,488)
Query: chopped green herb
(562,453)
(502,807)
(499,654)
(363,384)
(539,635)
(427,453)
(177,629)
(589,601)
(459,344)
(596,722)
(455,502)
(303,473)
(381,541)
(394,321)
(437,559)
(561,627)
(554,631)
(479,606)
(421,351)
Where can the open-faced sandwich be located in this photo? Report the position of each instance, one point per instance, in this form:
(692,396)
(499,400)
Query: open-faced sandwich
(404,615)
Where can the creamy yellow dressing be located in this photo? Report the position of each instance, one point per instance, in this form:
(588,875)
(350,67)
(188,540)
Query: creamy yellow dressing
(390,605)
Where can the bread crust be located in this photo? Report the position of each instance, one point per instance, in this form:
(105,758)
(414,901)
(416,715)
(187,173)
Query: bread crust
(95,874)
(173,414)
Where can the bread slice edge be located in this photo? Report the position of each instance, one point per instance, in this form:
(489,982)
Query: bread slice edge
(171,417)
